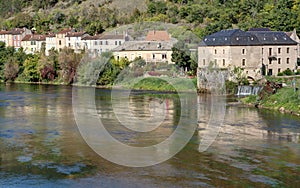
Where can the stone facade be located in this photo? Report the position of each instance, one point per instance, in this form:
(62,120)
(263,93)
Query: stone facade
(258,52)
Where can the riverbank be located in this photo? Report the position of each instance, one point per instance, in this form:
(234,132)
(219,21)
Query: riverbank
(286,100)
(164,84)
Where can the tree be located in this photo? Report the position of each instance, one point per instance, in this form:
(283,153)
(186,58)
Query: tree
(11,69)
(31,72)
(68,61)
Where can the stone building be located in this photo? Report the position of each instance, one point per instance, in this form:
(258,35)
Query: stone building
(258,51)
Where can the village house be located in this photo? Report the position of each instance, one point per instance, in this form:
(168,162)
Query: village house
(60,39)
(17,36)
(103,43)
(14,37)
(6,37)
(156,48)
(74,41)
(50,43)
(33,43)
(258,51)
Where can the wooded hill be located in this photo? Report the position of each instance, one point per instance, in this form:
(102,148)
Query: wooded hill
(200,16)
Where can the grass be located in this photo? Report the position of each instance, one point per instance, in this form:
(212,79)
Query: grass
(161,84)
(285,98)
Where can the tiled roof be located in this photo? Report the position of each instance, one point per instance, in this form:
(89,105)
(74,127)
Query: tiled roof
(273,38)
(158,36)
(4,32)
(75,34)
(34,38)
(95,37)
(65,31)
(146,46)
(111,37)
(16,31)
(237,37)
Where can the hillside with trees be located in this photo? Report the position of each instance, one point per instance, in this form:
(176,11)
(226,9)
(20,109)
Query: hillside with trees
(200,16)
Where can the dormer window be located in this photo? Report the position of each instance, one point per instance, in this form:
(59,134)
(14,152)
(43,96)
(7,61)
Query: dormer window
(237,38)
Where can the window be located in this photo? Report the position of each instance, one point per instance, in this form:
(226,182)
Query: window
(120,42)
(288,50)
(279,50)
(243,51)
(224,62)
(33,43)
(106,42)
(279,60)
(270,72)
(203,62)
(101,43)
(153,56)
(216,51)
(96,43)
(69,44)
(116,43)
(243,62)
(287,60)
(262,51)
(164,56)
(59,42)
(223,51)
(279,70)
(270,51)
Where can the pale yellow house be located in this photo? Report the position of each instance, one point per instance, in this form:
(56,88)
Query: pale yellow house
(6,37)
(258,51)
(33,43)
(150,51)
(60,39)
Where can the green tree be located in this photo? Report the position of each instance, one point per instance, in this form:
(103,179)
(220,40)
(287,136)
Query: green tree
(31,72)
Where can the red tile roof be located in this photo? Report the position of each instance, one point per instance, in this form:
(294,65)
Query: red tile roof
(65,31)
(34,38)
(158,36)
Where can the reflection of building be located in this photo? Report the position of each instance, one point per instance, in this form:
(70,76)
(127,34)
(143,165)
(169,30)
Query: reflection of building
(257,51)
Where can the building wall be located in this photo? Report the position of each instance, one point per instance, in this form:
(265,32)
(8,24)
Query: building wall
(50,43)
(250,58)
(148,56)
(60,41)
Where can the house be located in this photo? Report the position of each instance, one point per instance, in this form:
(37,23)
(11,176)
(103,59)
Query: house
(74,41)
(33,43)
(60,39)
(158,36)
(103,43)
(5,37)
(258,51)
(17,36)
(150,51)
(293,35)
(50,43)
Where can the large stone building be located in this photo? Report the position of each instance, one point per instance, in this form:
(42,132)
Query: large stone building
(258,51)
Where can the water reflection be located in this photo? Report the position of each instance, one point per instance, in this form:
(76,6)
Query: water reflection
(41,147)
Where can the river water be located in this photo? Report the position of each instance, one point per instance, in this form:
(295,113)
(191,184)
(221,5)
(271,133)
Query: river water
(41,145)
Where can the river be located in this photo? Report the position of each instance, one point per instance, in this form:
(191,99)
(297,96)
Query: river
(41,145)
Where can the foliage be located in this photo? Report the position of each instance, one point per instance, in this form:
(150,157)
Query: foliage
(68,62)
(11,69)
(31,72)
(239,76)
(286,98)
